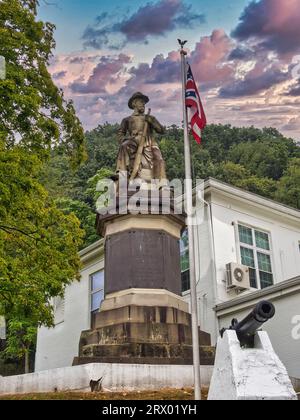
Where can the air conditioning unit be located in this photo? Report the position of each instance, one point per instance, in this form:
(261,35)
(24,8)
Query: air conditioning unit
(237,277)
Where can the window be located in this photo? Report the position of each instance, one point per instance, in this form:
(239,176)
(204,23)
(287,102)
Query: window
(256,254)
(97,294)
(185,263)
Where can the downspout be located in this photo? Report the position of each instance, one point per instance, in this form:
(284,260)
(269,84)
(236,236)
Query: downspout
(213,256)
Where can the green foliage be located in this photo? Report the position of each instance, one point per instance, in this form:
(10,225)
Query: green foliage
(241,177)
(33,111)
(38,246)
(83,212)
(265,159)
(21,338)
(38,242)
(288,191)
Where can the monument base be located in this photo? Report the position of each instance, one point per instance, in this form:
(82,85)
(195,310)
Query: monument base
(143,327)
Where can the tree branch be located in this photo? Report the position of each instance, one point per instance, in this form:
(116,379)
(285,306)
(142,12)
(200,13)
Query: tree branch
(9,229)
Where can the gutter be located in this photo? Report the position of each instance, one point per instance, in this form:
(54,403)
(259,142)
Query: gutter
(93,251)
(285,288)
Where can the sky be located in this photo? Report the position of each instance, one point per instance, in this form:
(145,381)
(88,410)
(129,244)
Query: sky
(245,57)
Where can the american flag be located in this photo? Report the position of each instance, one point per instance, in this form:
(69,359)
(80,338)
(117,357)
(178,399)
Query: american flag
(193,102)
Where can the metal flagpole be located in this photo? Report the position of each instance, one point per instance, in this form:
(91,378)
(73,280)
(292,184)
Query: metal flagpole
(189,209)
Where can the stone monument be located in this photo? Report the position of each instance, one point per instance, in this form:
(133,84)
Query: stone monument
(143,318)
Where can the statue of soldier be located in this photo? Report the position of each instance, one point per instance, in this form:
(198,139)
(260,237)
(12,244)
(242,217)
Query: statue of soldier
(151,164)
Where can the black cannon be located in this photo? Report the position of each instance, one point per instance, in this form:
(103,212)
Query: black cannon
(246,329)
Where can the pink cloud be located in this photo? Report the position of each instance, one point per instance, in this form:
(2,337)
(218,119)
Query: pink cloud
(209,58)
(273,24)
(262,77)
(106,72)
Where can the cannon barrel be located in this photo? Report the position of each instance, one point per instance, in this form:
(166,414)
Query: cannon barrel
(246,329)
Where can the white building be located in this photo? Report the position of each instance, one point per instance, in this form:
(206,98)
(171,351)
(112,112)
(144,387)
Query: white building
(236,227)
(2,328)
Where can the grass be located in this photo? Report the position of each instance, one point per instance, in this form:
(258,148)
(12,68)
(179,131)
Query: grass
(165,394)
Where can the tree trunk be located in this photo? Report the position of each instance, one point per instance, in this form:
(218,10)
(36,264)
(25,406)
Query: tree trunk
(27,361)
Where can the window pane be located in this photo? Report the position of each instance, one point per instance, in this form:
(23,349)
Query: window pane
(247,256)
(97,280)
(185,262)
(266,279)
(97,298)
(184,243)
(185,281)
(262,240)
(253,278)
(245,235)
(264,262)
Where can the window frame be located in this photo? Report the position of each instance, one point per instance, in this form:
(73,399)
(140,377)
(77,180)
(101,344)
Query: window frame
(93,292)
(255,250)
(182,272)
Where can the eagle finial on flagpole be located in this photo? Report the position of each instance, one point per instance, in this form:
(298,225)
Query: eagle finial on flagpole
(182,43)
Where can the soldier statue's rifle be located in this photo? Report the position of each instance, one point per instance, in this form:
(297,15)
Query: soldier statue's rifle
(139,154)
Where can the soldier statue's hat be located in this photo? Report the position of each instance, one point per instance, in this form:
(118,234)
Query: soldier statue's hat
(137,95)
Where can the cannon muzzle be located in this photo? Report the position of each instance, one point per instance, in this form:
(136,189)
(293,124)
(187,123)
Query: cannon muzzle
(246,329)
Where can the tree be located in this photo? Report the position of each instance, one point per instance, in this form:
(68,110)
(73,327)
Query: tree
(289,186)
(38,242)
(38,248)
(85,214)
(33,111)
(85,210)
(241,177)
(263,159)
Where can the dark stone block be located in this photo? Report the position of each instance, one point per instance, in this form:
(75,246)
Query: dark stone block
(145,259)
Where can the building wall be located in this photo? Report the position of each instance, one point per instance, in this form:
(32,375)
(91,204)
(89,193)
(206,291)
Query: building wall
(2,328)
(205,272)
(283,329)
(57,347)
(284,234)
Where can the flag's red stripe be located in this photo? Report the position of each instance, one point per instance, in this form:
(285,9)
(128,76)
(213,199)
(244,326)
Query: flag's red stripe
(198,118)
(192,103)
(196,137)
(196,121)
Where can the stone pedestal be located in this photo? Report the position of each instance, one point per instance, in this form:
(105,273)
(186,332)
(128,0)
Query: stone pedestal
(143,318)
(143,326)
(242,374)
